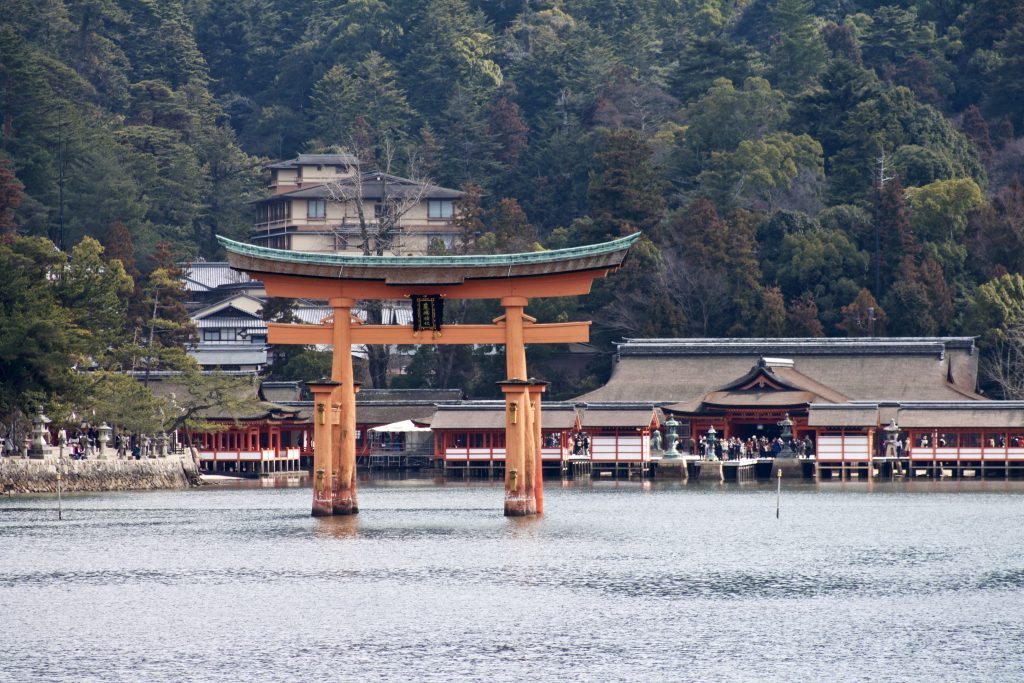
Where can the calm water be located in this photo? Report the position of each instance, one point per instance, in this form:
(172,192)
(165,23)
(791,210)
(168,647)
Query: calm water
(430,583)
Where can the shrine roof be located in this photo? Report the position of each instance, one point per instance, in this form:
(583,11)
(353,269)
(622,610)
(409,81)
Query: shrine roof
(442,270)
(491,415)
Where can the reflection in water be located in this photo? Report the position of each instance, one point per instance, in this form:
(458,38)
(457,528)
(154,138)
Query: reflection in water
(341,527)
(618,581)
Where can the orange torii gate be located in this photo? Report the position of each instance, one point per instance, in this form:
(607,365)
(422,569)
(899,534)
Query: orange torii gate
(342,279)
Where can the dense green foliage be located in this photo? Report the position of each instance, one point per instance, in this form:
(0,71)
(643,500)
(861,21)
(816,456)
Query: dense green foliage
(787,160)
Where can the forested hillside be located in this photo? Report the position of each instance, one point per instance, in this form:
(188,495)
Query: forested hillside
(792,164)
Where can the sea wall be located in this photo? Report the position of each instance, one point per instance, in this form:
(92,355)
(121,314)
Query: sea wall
(40,476)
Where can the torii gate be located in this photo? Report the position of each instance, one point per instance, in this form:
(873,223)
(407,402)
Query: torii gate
(342,279)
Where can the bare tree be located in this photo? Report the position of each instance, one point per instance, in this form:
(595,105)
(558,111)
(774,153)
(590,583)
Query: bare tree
(700,291)
(380,233)
(1003,366)
(395,197)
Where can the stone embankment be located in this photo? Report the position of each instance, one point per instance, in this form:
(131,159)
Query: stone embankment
(40,476)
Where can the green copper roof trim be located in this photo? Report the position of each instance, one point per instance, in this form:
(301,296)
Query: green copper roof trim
(549,256)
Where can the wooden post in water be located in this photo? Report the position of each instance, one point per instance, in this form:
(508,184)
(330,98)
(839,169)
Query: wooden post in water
(536,389)
(778,493)
(323,427)
(343,461)
(519,458)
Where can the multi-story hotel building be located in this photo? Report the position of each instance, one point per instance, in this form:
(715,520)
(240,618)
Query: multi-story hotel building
(314,206)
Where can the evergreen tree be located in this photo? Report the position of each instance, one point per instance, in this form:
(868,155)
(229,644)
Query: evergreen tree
(626,189)
(95,291)
(798,52)
(29,310)
(10,199)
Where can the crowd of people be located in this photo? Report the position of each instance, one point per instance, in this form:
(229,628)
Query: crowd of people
(735,448)
(84,443)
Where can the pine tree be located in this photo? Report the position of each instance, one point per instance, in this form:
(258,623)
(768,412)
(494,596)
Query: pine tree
(798,52)
(507,125)
(10,199)
(626,189)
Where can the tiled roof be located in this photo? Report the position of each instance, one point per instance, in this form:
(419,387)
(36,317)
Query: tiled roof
(237,323)
(430,270)
(373,188)
(314,315)
(317,160)
(202,276)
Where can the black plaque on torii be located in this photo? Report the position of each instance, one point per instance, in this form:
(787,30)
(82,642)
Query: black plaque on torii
(427,312)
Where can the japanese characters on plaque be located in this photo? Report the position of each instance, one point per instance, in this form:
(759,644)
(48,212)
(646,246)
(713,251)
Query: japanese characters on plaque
(427,312)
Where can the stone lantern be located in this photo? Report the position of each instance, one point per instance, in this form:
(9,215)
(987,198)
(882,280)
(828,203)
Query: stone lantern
(104,439)
(712,439)
(786,426)
(164,440)
(39,445)
(671,437)
(892,431)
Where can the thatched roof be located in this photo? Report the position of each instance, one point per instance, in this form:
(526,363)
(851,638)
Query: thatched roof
(618,415)
(922,414)
(491,415)
(842,416)
(437,395)
(667,371)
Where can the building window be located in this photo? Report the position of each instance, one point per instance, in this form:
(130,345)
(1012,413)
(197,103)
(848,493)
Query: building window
(279,211)
(258,339)
(316,208)
(440,208)
(211,335)
(280,242)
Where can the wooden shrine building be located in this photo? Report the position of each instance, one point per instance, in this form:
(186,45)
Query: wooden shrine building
(839,393)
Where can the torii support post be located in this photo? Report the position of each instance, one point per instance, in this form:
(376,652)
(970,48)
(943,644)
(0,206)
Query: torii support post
(520,448)
(323,426)
(343,462)
(536,389)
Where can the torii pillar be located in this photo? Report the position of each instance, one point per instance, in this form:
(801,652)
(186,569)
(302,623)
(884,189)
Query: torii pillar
(524,482)
(343,451)
(324,418)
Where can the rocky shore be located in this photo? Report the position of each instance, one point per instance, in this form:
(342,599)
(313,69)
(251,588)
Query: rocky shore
(40,476)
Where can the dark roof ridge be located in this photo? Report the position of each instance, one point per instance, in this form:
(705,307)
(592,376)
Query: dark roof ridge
(795,346)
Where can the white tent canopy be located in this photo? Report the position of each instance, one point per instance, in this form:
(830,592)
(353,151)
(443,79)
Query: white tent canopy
(399,427)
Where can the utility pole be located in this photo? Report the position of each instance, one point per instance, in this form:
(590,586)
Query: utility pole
(881,179)
(61,151)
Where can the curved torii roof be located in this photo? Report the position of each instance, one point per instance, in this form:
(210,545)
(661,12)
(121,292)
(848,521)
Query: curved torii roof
(415,271)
